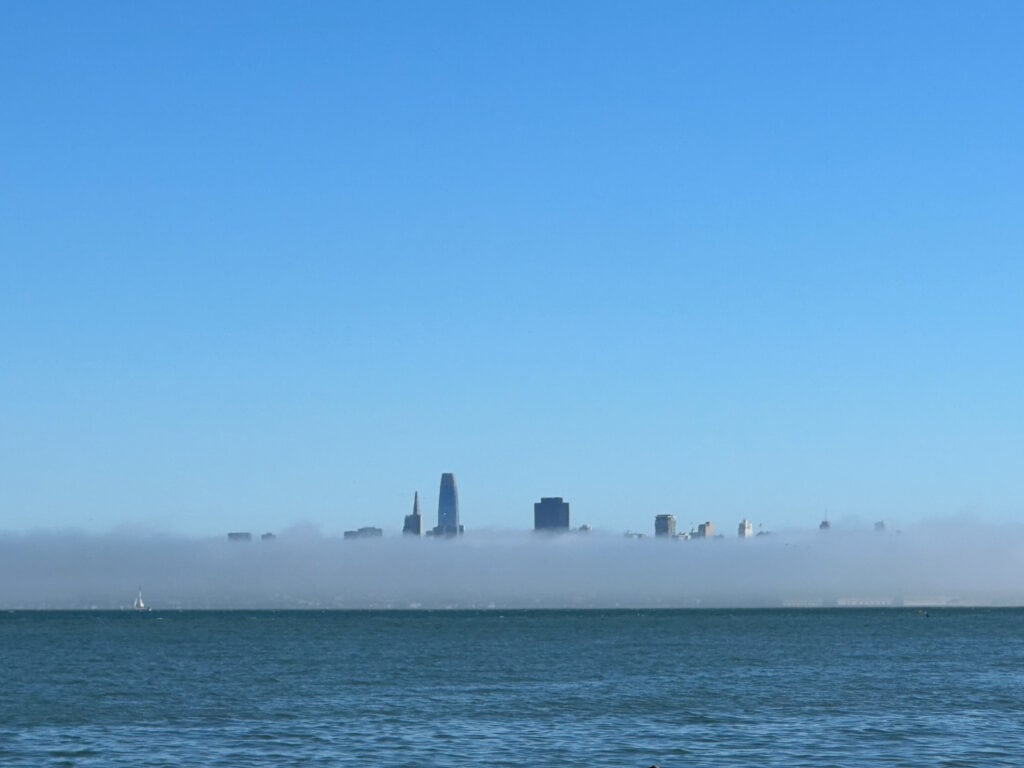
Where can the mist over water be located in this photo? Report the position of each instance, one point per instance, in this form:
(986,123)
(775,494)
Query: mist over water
(930,564)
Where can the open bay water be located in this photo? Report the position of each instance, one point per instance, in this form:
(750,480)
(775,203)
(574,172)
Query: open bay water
(839,687)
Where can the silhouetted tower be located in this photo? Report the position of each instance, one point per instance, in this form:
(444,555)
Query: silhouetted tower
(414,522)
(551,514)
(448,508)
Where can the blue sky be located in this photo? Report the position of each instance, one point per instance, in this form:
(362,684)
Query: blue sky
(263,264)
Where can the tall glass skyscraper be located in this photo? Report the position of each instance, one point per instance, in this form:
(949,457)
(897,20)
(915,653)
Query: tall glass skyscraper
(448,507)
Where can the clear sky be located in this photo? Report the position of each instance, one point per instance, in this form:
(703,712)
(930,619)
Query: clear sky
(263,264)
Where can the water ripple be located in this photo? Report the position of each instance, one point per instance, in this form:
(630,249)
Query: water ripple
(601,689)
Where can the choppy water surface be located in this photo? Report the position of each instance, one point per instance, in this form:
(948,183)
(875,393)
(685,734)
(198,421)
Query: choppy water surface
(587,688)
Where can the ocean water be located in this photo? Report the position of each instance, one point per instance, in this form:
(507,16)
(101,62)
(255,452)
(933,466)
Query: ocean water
(839,687)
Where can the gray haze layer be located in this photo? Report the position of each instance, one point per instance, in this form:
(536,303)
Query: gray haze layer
(936,564)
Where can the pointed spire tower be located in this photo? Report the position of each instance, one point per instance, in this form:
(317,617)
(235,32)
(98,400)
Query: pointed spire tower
(414,522)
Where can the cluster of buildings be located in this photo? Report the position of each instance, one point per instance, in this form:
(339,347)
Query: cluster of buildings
(447,512)
(665,528)
(550,515)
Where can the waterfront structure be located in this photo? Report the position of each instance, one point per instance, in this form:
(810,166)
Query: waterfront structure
(665,525)
(551,514)
(448,508)
(825,525)
(746,529)
(880,526)
(705,530)
(414,523)
(239,536)
(366,532)
(268,536)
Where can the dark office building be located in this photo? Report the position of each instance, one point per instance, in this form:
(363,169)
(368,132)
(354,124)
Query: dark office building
(551,514)
(448,508)
(240,536)
(665,525)
(414,522)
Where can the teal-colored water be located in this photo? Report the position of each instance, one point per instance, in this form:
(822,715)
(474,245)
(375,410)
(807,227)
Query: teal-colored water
(521,688)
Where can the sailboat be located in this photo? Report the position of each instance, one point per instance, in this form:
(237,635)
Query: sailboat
(138,605)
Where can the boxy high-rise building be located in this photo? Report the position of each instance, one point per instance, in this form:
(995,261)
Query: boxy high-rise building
(665,525)
(551,514)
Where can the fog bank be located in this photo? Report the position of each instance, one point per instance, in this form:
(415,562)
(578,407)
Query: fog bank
(931,564)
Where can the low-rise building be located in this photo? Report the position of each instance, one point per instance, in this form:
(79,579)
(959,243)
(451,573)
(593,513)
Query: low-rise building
(366,532)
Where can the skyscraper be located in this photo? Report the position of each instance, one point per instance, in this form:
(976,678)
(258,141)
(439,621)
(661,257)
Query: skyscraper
(746,529)
(665,525)
(414,522)
(448,508)
(551,514)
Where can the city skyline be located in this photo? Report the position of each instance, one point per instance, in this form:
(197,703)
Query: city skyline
(285,264)
(380,380)
(550,515)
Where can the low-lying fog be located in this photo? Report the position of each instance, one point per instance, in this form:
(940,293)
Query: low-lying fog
(930,564)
